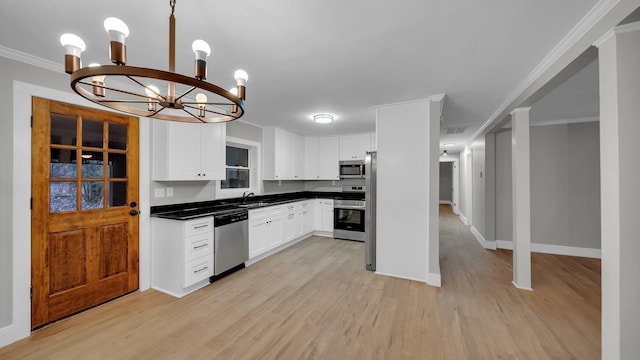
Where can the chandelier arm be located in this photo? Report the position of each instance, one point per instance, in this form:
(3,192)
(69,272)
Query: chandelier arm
(193,115)
(186,93)
(145,87)
(207,103)
(209,111)
(123,101)
(116,90)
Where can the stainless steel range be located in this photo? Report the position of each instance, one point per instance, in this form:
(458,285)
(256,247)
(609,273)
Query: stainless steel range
(348,216)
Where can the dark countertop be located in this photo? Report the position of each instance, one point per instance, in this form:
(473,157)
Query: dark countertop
(187,211)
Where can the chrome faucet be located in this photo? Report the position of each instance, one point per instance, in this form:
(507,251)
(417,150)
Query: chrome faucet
(246,195)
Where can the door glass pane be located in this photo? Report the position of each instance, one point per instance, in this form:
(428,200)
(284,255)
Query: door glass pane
(237,156)
(64,130)
(62,196)
(92,165)
(117,193)
(63,164)
(92,195)
(236,178)
(117,137)
(92,133)
(117,165)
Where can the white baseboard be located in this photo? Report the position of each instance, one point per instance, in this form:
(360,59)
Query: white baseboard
(434,280)
(423,280)
(504,244)
(463,218)
(520,287)
(491,245)
(555,249)
(446,202)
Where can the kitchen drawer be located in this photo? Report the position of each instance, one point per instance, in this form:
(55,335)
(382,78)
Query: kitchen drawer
(198,226)
(274,211)
(258,214)
(198,270)
(198,245)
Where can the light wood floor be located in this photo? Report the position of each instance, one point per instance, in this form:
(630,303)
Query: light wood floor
(316,301)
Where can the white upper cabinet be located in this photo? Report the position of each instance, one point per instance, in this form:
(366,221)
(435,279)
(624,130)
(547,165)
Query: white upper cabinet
(328,163)
(311,158)
(186,151)
(354,147)
(283,155)
(321,158)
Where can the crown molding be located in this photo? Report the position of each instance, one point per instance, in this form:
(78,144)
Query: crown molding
(599,11)
(561,121)
(521,110)
(31,59)
(626,28)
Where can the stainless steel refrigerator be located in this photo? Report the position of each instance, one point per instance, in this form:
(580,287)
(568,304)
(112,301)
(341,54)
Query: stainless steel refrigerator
(370,164)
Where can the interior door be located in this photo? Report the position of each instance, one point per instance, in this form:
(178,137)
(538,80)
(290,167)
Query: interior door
(84,234)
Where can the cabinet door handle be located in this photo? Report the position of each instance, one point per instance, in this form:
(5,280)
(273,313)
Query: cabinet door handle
(201,226)
(200,246)
(201,270)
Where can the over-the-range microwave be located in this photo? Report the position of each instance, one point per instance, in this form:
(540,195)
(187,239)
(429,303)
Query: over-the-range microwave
(351,169)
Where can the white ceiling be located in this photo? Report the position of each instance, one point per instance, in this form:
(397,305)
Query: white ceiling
(343,57)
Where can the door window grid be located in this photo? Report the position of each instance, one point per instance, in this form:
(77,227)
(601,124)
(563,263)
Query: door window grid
(90,176)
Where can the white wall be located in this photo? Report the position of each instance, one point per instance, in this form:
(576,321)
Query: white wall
(478,175)
(403,211)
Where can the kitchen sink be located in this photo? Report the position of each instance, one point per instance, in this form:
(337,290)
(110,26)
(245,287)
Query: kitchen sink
(253,204)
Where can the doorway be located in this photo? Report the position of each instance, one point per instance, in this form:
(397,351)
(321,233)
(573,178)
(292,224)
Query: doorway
(84,224)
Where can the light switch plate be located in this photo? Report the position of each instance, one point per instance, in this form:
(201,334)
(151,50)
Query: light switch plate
(158,192)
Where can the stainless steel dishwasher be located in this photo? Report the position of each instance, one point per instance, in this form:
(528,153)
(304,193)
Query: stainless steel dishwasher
(231,241)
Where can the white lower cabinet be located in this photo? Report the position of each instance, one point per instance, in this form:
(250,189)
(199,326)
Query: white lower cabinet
(308,216)
(182,255)
(273,226)
(265,229)
(324,215)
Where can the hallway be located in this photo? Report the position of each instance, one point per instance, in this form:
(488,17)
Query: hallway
(559,319)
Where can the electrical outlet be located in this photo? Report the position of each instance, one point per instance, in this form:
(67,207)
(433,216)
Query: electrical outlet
(169,192)
(158,192)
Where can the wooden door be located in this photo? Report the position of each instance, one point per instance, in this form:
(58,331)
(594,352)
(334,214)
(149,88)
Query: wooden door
(84,232)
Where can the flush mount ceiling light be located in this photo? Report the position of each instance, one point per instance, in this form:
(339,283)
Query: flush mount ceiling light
(323,118)
(187,99)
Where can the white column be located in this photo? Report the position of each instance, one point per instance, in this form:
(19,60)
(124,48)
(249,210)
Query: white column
(436,103)
(521,198)
(619,55)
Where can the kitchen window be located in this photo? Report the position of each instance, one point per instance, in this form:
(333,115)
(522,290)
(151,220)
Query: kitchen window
(237,167)
(242,169)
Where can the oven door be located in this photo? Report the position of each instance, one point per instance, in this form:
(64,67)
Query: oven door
(348,223)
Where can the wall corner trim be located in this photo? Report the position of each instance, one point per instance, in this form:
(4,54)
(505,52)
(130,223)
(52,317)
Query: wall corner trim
(491,245)
(434,280)
(521,287)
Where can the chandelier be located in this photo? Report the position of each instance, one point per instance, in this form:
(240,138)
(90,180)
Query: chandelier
(187,99)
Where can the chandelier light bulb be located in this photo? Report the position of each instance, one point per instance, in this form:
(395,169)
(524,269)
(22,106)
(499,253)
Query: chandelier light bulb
(118,31)
(73,48)
(201,49)
(153,93)
(98,82)
(202,100)
(73,44)
(241,77)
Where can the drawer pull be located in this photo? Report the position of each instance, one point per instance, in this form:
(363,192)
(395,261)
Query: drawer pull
(200,246)
(201,226)
(201,270)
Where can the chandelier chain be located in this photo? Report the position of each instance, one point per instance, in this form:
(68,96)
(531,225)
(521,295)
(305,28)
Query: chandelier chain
(172,3)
